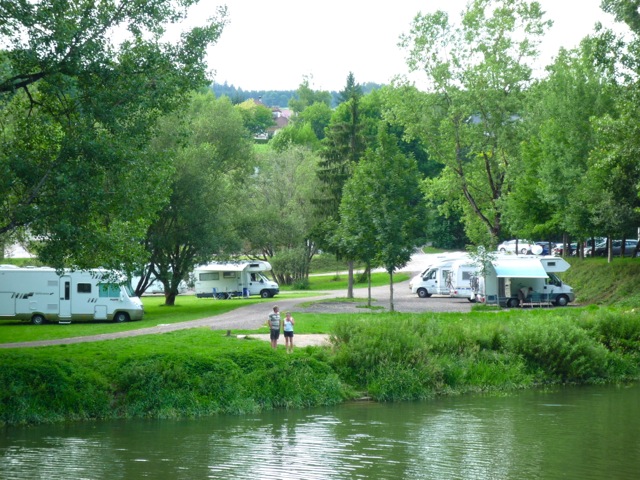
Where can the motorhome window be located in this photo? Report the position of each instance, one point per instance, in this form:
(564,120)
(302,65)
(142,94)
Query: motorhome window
(129,290)
(206,277)
(553,280)
(466,276)
(84,288)
(228,274)
(109,290)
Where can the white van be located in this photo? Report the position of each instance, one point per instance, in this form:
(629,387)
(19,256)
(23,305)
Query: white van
(40,294)
(234,279)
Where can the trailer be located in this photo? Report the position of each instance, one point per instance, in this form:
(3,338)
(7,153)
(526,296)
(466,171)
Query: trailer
(506,275)
(42,294)
(234,279)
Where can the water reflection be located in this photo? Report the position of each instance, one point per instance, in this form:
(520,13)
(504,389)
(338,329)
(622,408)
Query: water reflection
(581,433)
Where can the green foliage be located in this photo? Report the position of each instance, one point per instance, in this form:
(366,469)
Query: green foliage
(77,113)
(149,378)
(212,154)
(412,357)
(558,351)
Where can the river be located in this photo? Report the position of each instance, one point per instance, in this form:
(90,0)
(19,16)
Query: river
(557,433)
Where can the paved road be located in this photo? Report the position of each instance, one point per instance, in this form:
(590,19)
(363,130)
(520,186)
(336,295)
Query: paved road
(253,317)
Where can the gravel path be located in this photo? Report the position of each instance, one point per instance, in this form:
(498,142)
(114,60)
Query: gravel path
(252,317)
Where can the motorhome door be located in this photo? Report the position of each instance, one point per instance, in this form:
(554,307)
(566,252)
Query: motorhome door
(65,297)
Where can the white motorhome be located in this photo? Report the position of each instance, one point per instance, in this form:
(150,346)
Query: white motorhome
(40,294)
(460,276)
(234,279)
(506,275)
(435,280)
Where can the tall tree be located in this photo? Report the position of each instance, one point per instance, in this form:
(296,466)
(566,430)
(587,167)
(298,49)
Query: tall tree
(77,110)
(344,145)
(212,154)
(277,217)
(477,73)
(382,213)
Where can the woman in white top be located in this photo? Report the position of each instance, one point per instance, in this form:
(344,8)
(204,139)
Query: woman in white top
(288,331)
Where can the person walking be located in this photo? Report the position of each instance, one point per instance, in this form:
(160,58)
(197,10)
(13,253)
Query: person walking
(275,325)
(288,332)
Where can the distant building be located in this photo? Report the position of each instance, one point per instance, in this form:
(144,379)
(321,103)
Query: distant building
(280,117)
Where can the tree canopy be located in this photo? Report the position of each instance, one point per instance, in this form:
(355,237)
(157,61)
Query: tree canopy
(77,109)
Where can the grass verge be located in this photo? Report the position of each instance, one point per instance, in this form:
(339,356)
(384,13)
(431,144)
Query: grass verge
(389,356)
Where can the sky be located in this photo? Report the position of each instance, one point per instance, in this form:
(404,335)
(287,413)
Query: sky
(275,44)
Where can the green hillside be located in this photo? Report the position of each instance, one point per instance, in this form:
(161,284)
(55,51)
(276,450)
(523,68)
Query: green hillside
(597,282)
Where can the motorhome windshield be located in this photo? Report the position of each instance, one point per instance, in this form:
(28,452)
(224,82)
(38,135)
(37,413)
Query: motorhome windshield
(553,280)
(129,290)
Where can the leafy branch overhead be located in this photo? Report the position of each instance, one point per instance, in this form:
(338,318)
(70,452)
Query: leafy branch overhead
(81,87)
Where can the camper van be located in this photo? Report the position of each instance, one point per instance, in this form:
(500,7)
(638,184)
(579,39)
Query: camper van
(460,276)
(435,280)
(234,279)
(507,275)
(41,294)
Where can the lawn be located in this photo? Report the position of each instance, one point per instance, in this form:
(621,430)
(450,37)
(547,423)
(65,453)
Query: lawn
(187,308)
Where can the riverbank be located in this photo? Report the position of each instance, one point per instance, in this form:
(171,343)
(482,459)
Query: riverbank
(387,356)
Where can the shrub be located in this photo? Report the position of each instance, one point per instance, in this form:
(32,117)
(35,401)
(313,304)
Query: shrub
(557,350)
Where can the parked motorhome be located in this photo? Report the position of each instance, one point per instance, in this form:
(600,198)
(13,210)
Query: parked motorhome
(460,276)
(40,294)
(435,280)
(505,276)
(234,279)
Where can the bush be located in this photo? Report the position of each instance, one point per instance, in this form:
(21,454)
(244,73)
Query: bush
(557,350)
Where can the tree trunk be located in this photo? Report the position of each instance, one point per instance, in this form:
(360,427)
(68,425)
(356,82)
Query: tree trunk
(391,307)
(170,299)
(350,282)
(369,285)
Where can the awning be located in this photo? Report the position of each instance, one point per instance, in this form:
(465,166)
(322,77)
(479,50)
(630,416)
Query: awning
(519,268)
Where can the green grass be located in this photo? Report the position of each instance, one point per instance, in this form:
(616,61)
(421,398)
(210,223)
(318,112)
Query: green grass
(389,356)
(187,307)
(597,282)
(339,281)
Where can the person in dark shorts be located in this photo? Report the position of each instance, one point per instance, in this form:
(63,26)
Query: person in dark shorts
(288,331)
(275,325)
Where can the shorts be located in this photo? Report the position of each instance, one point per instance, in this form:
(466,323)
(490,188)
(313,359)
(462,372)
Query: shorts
(275,334)
(288,334)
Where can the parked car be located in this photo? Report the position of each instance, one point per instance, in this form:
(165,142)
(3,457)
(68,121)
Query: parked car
(524,246)
(616,248)
(547,247)
(558,250)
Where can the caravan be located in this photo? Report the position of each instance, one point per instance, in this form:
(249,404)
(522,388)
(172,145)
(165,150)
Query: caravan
(506,275)
(40,294)
(234,279)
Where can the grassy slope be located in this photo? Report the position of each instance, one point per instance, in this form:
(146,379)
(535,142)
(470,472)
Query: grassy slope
(597,282)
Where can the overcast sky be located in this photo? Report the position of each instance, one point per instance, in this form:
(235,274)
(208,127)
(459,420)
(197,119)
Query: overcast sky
(272,45)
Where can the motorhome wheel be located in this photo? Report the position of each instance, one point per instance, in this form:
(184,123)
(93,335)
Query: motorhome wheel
(120,317)
(37,319)
(423,293)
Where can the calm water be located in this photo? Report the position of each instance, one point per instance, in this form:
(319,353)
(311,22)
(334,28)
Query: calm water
(576,433)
